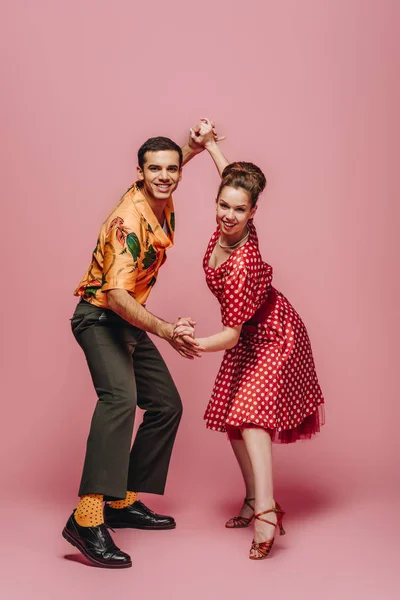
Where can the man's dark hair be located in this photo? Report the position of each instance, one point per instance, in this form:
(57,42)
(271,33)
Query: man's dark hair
(154,145)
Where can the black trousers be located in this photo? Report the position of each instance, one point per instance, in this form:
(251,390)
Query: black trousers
(126,369)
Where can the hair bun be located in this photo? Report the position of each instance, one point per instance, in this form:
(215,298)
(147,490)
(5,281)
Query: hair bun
(249,169)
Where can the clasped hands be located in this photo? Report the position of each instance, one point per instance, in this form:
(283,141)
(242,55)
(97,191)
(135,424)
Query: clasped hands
(203,134)
(183,338)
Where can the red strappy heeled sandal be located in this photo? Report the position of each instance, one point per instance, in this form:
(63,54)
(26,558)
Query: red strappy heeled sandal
(239,522)
(264,548)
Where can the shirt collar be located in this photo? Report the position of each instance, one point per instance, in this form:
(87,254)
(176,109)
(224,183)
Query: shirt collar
(144,207)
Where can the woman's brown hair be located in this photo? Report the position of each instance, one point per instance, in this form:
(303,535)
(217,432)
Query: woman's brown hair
(244,175)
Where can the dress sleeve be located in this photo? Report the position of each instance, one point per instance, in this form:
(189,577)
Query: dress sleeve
(238,302)
(122,250)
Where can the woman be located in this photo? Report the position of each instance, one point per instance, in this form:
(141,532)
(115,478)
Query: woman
(266,389)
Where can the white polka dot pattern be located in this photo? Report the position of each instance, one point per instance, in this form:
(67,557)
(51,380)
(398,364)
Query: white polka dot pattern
(268,378)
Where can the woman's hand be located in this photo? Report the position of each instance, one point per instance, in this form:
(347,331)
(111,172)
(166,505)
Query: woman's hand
(184,326)
(184,342)
(204,134)
(186,346)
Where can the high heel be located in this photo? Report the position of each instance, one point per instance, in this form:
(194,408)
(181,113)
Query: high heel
(240,522)
(264,548)
(280,515)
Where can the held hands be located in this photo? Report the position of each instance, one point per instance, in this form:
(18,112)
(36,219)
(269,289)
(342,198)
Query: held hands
(204,134)
(183,340)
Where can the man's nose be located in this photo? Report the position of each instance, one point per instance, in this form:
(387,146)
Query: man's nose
(164,175)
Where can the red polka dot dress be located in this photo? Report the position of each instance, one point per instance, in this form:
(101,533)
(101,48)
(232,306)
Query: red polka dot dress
(268,379)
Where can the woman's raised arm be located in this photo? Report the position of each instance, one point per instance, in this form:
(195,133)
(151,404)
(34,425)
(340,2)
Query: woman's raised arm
(204,134)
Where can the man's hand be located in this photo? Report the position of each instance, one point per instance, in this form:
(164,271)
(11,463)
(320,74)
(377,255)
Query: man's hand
(184,333)
(203,134)
(187,346)
(184,344)
(184,326)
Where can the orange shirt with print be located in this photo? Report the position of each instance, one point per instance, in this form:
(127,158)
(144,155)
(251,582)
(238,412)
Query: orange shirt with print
(130,249)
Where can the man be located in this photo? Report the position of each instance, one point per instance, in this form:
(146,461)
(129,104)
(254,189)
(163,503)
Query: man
(111,323)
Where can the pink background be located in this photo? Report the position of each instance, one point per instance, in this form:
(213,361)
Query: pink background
(309,91)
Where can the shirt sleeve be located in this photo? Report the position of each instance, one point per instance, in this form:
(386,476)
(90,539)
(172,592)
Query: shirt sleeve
(238,303)
(120,266)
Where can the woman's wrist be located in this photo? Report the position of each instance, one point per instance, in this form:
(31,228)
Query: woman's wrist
(211,145)
(203,343)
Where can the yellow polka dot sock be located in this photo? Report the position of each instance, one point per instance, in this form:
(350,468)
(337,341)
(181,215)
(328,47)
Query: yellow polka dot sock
(89,512)
(130,498)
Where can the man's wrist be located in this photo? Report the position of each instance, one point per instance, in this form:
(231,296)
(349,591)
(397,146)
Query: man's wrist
(195,149)
(165,331)
(188,153)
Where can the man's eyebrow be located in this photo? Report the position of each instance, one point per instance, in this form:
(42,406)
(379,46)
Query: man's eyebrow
(159,166)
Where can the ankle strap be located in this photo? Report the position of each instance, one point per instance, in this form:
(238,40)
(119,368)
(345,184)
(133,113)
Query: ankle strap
(265,512)
(247,501)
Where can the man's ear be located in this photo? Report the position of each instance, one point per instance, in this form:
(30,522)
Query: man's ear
(180,173)
(140,174)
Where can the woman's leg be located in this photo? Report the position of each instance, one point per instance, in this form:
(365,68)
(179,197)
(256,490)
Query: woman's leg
(242,456)
(259,448)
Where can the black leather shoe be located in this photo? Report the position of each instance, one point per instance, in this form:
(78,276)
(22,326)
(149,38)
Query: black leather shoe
(137,516)
(96,544)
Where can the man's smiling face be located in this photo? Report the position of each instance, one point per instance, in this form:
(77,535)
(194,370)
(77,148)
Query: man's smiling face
(161,173)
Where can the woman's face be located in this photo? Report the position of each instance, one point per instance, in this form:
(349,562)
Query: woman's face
(234,211)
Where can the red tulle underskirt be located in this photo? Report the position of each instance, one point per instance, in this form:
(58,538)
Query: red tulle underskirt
(311,425)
